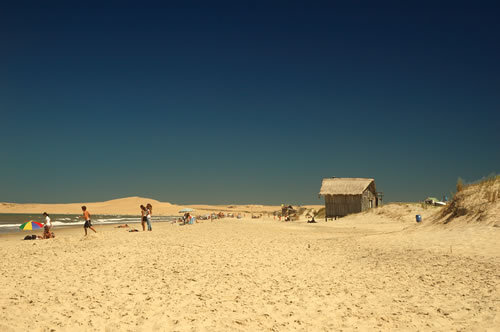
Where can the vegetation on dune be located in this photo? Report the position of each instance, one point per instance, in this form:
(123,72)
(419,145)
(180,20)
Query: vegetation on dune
(477,200)
(320,214)
(460,185)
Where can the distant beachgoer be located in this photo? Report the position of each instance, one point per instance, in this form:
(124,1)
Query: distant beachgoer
(47,226)
(122,226)
(186,218)
(88,222)
(144,217)
(149,209)
(33,237)
(312,221)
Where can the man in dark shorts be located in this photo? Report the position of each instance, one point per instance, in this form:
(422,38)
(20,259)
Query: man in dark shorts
(86,217)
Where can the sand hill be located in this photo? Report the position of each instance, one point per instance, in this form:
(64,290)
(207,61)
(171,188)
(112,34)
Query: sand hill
(475,203)
(130,206)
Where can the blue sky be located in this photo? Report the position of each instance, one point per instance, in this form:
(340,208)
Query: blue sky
(246,102)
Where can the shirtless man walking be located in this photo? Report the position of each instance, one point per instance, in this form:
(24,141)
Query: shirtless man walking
(88,223)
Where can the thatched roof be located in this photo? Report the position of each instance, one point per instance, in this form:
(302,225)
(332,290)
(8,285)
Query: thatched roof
(346,186)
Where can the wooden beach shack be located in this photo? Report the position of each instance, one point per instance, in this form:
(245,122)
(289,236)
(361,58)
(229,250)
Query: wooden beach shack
(344,196)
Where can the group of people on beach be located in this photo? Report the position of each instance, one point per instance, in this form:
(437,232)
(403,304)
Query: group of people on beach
(47,225)
(146,213)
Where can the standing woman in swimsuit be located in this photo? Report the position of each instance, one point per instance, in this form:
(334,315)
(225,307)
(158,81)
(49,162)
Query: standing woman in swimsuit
(144,213)
(149,208)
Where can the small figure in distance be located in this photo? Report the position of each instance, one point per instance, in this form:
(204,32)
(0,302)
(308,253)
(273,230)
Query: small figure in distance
(312,221)
(47,226)
(144,217)
(86,217)
(149,209)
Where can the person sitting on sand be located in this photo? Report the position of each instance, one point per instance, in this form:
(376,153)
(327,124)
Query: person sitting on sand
(46,234)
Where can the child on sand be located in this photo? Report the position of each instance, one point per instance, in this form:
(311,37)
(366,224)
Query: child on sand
(88,223)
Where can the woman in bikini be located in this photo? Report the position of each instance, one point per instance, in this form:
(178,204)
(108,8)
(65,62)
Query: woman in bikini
(144,219)
(149,210)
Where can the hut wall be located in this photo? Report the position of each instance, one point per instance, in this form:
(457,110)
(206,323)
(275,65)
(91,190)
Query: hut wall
(365,200)
(342,205)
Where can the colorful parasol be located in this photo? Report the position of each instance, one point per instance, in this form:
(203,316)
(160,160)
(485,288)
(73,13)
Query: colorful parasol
(30,225)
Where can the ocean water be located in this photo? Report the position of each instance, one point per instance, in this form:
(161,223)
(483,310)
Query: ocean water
(10,222)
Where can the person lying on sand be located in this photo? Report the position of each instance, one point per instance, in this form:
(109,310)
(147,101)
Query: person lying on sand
(38,237)
(32,237)
(133,230)
(122,226)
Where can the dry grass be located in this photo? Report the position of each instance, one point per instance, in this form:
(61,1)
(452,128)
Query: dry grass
(460,185)
(477,201)
(320,214)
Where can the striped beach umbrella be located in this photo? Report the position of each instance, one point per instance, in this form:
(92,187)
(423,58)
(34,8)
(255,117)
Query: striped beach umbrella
(30,225)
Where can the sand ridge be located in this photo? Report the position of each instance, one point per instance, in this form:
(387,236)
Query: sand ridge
(130,206)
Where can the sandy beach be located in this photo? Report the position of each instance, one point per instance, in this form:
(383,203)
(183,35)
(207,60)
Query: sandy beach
(274,166)
(371,271)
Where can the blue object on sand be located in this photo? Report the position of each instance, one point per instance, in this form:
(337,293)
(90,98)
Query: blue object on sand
(419,218)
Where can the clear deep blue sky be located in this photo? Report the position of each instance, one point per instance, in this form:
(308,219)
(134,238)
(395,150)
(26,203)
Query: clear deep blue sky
(246,102)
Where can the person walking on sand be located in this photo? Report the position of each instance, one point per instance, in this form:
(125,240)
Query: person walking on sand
(88,223)
(47,226)
(144,218)
(149,210)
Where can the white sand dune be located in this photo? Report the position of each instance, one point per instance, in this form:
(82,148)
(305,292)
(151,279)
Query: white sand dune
(130,206)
